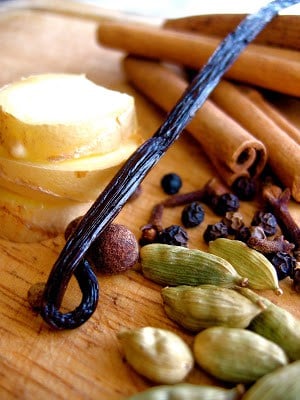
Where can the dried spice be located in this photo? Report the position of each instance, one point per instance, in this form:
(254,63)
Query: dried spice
(110,202)
(215,231)
(173,235)
(283,383)
(276,324)
(284,264)
(267,246)
(225,203)
(184,391)
(279,200)
(175,265)
(115,250)
(237,355)
(192,215)
(267,221)
(248,262)
(151,230)
(243,234)
(196,308)
(244,188)
(234,221)
(171,183)
(212,189)
(158,354)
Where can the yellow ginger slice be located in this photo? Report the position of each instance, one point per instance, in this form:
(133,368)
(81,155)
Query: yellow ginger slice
(79,179)
(55,117)
(27,220)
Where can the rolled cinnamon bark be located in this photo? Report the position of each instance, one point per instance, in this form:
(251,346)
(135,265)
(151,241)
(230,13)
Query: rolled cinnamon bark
(270,68)
(273,113)
(283,31)
(232,150)
(283,151)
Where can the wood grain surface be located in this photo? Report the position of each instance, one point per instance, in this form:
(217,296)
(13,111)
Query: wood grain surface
(35,361)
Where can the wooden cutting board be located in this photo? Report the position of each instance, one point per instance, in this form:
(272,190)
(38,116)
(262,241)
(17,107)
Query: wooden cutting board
(35,361)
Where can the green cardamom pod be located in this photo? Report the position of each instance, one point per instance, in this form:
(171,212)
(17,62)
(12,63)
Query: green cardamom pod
(187,391)
(199,307)
(237,355)
(284,383)
(158,354)
(247,262)
(175,265)
(276,324)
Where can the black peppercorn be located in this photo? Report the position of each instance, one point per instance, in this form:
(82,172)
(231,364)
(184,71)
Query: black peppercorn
(173,235)
(192,215)
(267,221)
(283,263)
(245,188)
(226,202)
(171,183)
(215,231)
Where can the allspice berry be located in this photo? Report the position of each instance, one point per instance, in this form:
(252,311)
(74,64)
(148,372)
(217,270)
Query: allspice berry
(116,250)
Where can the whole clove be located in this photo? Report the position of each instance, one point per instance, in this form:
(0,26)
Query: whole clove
(278,200)
(151,230)
(267,246)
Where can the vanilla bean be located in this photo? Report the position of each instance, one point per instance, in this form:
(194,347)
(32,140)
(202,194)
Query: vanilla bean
(129,177)
(89,287)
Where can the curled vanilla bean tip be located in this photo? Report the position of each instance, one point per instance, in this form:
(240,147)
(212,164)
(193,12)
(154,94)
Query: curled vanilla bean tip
(88,284)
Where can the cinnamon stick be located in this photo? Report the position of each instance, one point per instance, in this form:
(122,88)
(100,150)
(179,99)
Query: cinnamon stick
(232,150)
(283,151)
(284,31)
(273,113)
(271,68)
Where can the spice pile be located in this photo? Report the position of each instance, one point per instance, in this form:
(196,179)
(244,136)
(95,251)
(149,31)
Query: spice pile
(211,294)
(265,232)
(241,338)
(237,116)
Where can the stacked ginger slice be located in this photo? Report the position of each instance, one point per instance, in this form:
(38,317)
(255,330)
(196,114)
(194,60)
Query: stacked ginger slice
(62,138)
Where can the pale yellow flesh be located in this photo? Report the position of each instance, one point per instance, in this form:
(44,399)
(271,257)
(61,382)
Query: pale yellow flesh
(80,180)
(55,117)
(26,220)
(62,139)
